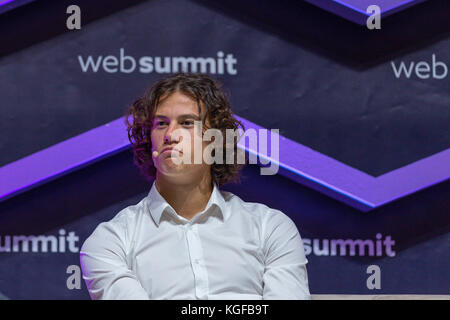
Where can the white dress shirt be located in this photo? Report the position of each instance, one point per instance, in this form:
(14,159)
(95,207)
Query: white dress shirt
(231,250)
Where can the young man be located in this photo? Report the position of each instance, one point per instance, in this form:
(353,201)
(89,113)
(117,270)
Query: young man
(187,239)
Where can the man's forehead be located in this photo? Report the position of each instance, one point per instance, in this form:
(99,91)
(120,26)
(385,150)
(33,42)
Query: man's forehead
(176,112)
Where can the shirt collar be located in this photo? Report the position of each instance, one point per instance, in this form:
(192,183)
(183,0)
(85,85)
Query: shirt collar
(157,204)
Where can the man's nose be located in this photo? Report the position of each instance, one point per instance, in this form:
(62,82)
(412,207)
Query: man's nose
(169,137)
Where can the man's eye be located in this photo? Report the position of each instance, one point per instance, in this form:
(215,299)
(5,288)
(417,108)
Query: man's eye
(188,123)
(161,123)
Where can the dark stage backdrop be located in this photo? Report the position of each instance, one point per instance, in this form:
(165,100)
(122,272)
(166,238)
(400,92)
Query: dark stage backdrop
(325,82)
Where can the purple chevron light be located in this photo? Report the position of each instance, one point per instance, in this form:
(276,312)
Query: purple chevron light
(356,10)
(2,2)
(6,5)
(297,162)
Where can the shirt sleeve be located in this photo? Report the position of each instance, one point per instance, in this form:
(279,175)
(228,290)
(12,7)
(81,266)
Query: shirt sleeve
(285,276)
(104,267)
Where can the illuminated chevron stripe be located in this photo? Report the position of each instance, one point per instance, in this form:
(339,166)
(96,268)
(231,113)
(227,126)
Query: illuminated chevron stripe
(6,5)
(356,10)
(297,162)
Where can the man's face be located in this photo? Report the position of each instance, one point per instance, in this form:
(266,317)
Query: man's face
(173,137)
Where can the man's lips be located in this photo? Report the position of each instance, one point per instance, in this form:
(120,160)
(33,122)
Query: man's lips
(169,149)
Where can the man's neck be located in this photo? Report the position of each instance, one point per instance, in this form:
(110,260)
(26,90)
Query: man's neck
(187,199)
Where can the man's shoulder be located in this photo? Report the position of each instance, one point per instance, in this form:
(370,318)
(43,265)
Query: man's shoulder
(253,208)
(129,213)
(123,218)
(116,227)
(269,221)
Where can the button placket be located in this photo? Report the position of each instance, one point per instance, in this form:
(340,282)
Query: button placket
(196,256)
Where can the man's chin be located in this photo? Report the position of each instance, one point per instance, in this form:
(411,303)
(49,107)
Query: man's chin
(169,167)
(173,160)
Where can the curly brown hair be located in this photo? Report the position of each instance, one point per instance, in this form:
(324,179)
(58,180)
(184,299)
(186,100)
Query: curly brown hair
(206,92)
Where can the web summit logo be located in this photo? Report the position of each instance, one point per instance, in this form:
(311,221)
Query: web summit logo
(221,64)
(351,247)
(40,243)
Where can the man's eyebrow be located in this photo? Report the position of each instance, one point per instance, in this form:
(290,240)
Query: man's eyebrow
(182,116)
(189,115)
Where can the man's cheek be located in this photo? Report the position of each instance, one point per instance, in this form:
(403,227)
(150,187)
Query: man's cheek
(154,141)
(197,150)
